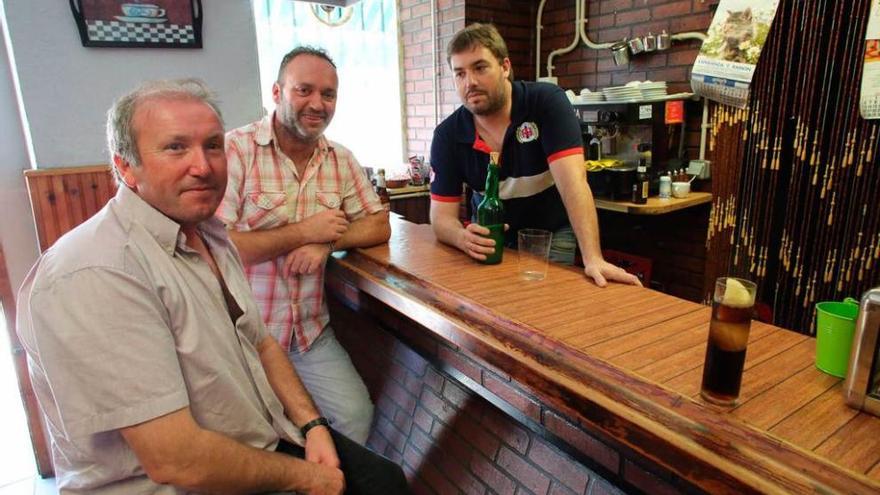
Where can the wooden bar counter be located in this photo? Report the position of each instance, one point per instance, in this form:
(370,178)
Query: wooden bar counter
(626,362)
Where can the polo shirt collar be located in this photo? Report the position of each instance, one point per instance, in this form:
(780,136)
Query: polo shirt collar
(164,230)
(466,131)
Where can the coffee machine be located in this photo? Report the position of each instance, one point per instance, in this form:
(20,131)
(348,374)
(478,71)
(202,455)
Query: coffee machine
(862,386)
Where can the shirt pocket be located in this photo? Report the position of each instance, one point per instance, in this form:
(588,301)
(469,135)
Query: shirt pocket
(266,210)
(329,200)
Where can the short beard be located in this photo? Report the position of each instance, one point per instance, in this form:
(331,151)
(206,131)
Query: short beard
(289,120)
(493,103)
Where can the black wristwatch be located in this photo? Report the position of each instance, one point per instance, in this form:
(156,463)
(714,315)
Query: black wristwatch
(319,421)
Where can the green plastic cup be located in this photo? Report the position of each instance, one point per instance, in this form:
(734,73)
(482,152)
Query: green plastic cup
(835,326)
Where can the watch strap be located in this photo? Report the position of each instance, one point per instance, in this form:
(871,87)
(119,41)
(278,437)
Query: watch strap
(319,421)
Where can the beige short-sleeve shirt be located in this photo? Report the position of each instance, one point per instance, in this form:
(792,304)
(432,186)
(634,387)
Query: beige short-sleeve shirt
(124,323)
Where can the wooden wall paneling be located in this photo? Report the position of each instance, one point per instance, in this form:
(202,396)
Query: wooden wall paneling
(63,198)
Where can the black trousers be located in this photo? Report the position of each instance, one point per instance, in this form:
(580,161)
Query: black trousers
(366,472)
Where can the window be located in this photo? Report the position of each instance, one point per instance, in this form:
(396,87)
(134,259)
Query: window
(364,46)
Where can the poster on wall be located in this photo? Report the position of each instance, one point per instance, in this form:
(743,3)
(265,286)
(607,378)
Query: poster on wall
(139,23)
(869,100)
(726,63)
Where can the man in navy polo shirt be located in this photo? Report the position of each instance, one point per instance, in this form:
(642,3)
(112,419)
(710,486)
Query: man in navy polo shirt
(543,180)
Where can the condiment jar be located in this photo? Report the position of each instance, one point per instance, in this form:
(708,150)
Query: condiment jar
(665,187)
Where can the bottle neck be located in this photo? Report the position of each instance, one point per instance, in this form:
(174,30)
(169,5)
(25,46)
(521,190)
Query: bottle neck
(492,181)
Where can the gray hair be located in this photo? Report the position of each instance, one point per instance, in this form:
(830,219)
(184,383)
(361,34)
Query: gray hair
(121,139)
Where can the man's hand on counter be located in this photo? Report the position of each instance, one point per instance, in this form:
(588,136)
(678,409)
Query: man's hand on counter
(602,272)
(474,243)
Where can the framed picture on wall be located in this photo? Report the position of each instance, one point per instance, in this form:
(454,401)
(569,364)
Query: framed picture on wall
(139,23)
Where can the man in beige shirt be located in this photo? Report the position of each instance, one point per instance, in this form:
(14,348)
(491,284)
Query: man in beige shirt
(146,349)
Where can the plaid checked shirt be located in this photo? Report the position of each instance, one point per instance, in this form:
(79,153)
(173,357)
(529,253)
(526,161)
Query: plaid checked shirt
(265,191)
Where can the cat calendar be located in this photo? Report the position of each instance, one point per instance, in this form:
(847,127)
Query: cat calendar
(726,63)
(869,99)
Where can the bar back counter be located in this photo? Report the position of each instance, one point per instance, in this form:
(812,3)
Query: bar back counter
(610,376)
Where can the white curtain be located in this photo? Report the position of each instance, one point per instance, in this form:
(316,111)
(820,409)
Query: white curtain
(365,49)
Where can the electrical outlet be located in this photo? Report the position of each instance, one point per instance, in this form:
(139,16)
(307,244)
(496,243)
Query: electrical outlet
(700,168)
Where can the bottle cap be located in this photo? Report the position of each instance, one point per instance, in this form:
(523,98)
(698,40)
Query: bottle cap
(665,178)
(641,169)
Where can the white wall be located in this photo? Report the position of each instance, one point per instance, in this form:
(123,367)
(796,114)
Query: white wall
(17,234)
(67,88)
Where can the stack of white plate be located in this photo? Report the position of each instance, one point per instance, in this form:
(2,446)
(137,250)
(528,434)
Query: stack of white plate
(652,90)
(622,93)
(588,96)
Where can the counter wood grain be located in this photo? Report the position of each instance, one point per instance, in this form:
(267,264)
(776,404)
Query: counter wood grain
(627,362)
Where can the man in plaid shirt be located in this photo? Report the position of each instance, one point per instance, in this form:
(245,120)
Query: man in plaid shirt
(293,198)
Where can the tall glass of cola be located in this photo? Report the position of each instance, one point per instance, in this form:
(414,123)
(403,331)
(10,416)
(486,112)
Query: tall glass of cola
(728,336)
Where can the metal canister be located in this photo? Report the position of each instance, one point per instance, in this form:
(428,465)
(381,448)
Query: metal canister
(650,42)
(664,41)
(636,46)
(620,53)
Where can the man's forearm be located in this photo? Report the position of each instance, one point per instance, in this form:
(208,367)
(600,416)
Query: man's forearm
(298,404)
(175,450)
(223,465)
(366,231)
(446,225)
(579,204)
(264,245)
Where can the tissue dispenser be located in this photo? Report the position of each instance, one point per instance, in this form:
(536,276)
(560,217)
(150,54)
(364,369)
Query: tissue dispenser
(862,385)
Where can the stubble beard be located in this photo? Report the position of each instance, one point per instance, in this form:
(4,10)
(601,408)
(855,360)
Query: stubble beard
(495,101)
(289,119)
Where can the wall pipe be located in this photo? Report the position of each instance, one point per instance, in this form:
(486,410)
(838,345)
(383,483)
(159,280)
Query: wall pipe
(581,33)
(578,18)
(538,28)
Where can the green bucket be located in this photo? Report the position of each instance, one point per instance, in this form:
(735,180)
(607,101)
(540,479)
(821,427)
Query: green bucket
(835,326)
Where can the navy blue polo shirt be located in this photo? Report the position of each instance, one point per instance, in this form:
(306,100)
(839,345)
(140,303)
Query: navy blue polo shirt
(543,128)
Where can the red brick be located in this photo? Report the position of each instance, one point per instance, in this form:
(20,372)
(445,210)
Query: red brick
(435,479)
(413,457)
(651,61)
(477,436)
(461,363)
(421,441)
(615,5)
(396,439)
(377,442)
(508,431)
(455,394)
(411,26)
(693,22)
(434,379)
(514,397)
(612,35)
(403,421)
(621,78)
(487,471)
(683,57)
(454,445)
(577,438)
(421,9)
(557,488)
(403,399)
(562,467)
(601,487)
(528,475)
(682,7)
(645,481)
(484,364)
(423,420)
(459,476)
(437,406)
(671,74)
(412,360)
(632,17)
(386,406)
(418,487)
(413,384)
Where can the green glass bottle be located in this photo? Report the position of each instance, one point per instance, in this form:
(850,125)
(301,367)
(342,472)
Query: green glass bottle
(490,212)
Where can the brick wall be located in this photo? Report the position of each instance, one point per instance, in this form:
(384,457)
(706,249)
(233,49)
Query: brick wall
(419,67)
(448,418)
